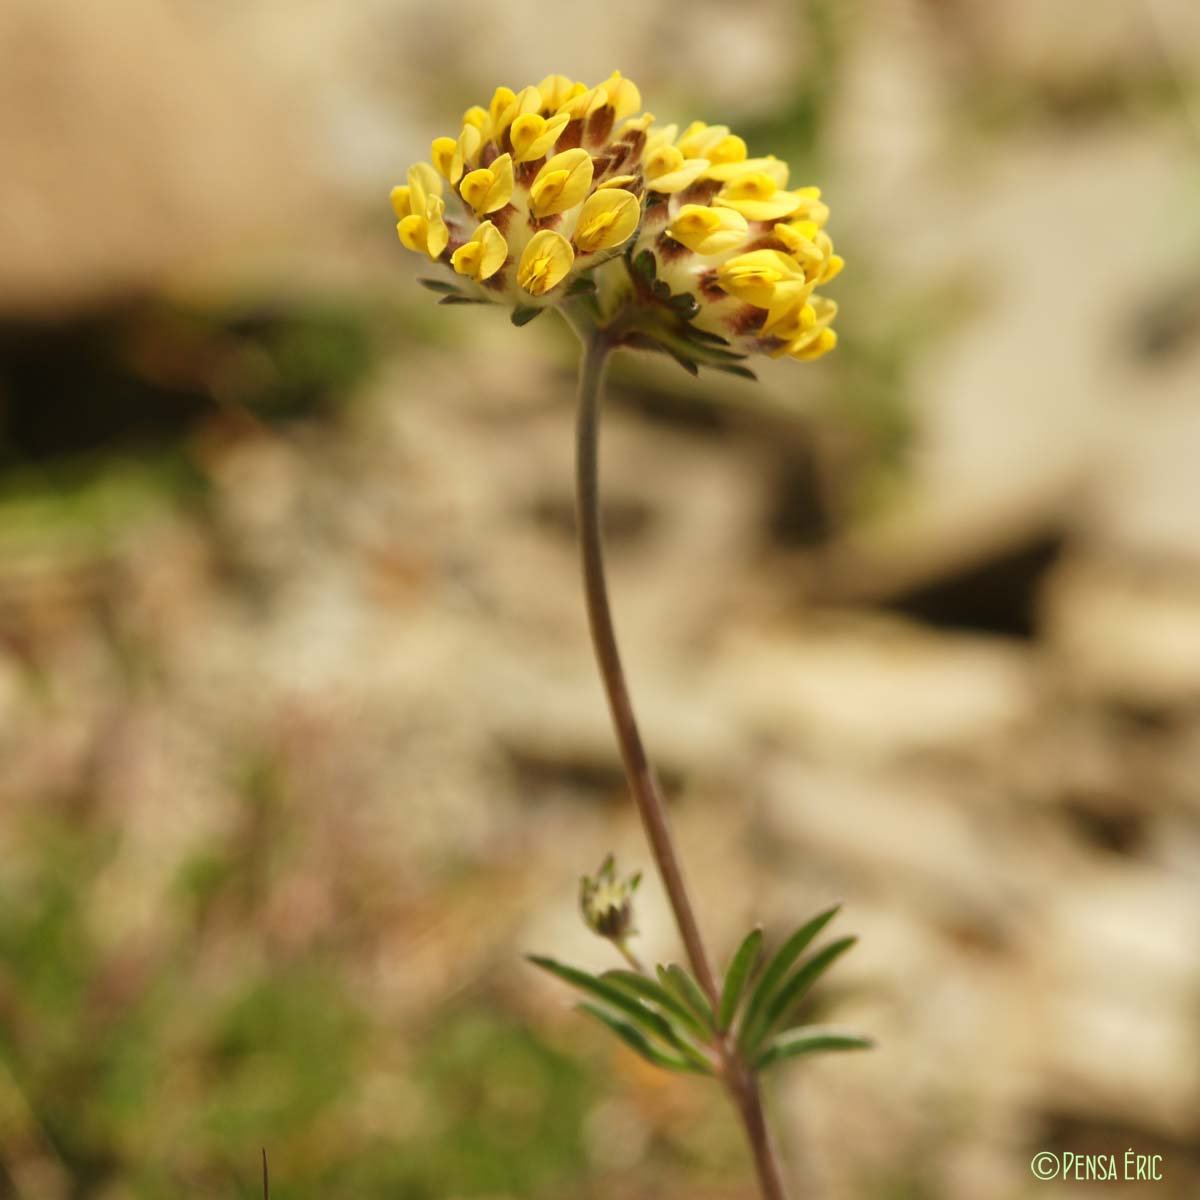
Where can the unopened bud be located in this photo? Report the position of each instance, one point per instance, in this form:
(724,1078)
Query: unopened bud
(607,902)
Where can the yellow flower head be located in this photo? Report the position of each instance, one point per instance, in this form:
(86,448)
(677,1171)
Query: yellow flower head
(560,194)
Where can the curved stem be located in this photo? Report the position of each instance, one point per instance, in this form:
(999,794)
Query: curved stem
(647,792)
(739,1079)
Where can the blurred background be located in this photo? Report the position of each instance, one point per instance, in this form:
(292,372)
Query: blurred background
(301,745)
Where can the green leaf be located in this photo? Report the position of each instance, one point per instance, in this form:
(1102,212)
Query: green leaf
(735,979)
(444,286)
(524,313)
(703,335)
(655,993)
(685,304)
(644,267)
(733,369)
(686,363)
(781,964)
(788,996)
(812,1040)
(584,284)
(637,1041)
(457,299)
(677,981)
(614,997)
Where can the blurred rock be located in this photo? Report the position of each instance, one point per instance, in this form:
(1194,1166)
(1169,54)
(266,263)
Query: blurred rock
(1127,634)
(137,146)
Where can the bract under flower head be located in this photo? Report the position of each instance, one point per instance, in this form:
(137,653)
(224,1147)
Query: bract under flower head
(559,194)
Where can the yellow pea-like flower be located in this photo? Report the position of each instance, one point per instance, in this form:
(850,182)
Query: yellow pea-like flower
(608,218)
(623,95)
(757,276)
(811,207)
(810,337)
(533,136)
(617,181)
(713,142)
(798,237)
(664,135)
(489,189)
(502,97)
(705,230)
(792,321)
(668,171)
(477,118)
(545,262)
(527,100)
(443,152)
(483,255)
(809,347)
(451,157)
(774,167)
(426,232)
(834,266)
(757,197)
(556,90)
(582,104)
(562,183)
(422,227)
(423,182)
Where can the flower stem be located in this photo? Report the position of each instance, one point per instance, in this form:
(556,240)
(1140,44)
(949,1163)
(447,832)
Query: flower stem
(628,955)
(739,1079)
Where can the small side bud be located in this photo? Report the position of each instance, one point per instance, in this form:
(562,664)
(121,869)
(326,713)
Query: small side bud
(606,902)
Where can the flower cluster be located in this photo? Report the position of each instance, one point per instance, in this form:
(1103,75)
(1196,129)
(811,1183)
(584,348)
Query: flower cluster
(677,240)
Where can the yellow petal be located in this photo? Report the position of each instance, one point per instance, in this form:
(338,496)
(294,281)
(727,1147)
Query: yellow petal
(401,205)
(636,125)
(692,141)
(812,338)
(797,237)
(776,168)
(483,255)
(705,230)
(470,143)
(608,218)
(447,158)
(477,117)
(545,263)
(423,182)
(412,232)
(556,90)
(583,104)
(489,189)
(757,277)
(617,181)
(713,142)
(833,268)
(562,183)
(657,138)
(668,171)
(814,347)
(623,95)
(437,235)
(757,197)
(727,151)
(789,318)
(502,97)
(533,136)
(527,100)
